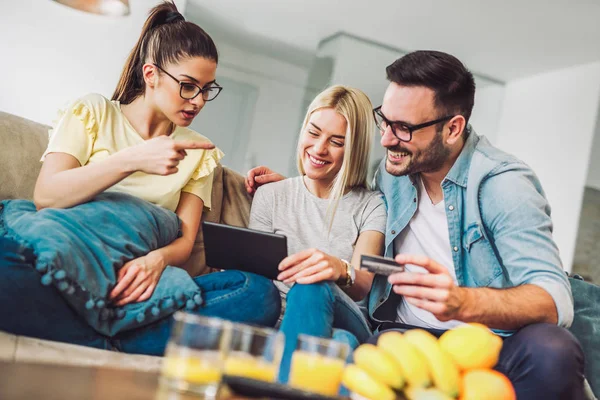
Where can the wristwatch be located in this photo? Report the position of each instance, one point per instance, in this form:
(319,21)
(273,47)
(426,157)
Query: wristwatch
(350,276)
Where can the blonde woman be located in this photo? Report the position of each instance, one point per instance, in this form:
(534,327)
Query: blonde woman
(329,216)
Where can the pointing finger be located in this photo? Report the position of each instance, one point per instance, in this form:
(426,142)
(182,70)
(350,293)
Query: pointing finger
(191,144)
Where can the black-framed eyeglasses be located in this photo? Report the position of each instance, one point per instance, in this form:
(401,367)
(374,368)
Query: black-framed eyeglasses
(401,129)
(189,91)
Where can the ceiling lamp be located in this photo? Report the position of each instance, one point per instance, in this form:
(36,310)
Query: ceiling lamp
(104,7)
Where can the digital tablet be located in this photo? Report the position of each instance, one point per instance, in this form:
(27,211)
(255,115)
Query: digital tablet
(231,247)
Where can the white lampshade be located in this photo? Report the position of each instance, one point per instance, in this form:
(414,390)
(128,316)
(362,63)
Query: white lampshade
(104,7)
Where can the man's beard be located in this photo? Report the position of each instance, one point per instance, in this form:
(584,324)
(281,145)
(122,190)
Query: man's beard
(429,160)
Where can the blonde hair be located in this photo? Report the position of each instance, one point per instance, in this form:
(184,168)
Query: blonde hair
(357,110)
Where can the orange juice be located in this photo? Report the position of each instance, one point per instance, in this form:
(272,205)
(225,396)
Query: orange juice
(316,373)
(241,364)
(195,370)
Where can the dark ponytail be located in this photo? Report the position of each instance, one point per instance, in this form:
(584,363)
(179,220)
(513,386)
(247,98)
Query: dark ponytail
(166,38)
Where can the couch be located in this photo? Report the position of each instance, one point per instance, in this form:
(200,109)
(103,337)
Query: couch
(22,144)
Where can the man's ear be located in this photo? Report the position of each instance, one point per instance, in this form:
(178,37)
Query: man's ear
(456,126)
(150,74)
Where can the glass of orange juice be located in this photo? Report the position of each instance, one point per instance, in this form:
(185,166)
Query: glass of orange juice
(318,364)
(195,354)
(254,353)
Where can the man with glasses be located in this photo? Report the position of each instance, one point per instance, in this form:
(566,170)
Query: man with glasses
(473,228)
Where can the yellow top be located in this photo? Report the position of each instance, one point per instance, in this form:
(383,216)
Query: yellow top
(93,127)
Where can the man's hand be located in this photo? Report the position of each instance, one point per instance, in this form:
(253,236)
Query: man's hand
(434,291)
(259,176)
(137,280)
(310,266)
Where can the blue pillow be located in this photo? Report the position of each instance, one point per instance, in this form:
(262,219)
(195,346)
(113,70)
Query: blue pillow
(80,249)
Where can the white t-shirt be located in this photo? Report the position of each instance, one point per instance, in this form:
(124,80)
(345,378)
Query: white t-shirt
(426,234)
(289,208)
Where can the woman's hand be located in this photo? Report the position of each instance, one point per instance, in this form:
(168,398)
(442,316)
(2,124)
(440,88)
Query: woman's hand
(310,266)
(161,155)
(137,279)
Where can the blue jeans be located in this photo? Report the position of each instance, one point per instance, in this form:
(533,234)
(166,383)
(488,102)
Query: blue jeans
(316,309)
(543,361)
(29,308)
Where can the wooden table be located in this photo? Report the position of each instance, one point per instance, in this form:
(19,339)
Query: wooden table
(20,381)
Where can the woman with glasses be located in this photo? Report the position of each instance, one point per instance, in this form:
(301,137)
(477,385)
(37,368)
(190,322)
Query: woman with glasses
(330,218)
(139,144)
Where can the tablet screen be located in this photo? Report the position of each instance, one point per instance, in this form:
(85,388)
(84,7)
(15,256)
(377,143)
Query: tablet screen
(232,247)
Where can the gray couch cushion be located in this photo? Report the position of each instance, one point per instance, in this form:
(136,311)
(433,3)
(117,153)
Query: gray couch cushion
(586,327)
(23,143)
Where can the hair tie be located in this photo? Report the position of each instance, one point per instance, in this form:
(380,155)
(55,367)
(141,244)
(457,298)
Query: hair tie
(174,16)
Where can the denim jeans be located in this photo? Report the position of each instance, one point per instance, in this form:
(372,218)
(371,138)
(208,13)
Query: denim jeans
(543,361)
(316,309)
(29,308)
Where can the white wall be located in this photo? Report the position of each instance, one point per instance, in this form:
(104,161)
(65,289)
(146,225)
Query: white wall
(488,110)
(52,54)
(593,176)
(362,64)
(275,124)
(548,121)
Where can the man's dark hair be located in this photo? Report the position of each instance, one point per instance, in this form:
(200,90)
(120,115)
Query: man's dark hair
(443,73)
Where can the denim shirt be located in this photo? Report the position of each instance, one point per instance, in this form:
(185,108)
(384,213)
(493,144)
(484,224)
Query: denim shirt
(499,225)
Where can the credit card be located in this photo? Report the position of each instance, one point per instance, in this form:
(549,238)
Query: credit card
(380,265)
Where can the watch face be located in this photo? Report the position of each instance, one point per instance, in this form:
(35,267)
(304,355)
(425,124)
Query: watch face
(352,273)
